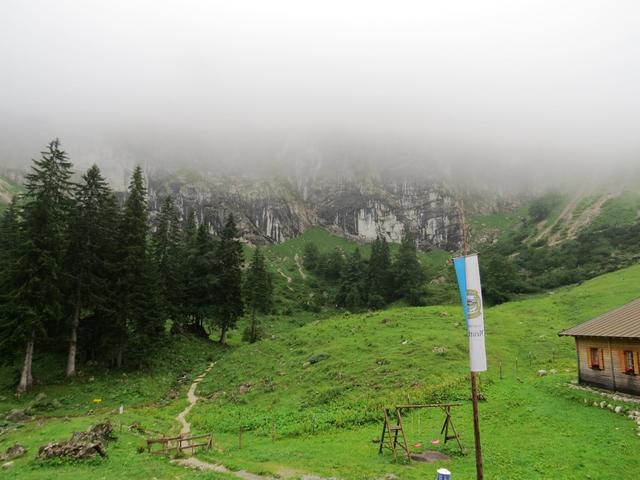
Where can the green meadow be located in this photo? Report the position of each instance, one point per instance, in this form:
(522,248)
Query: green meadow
(308,397)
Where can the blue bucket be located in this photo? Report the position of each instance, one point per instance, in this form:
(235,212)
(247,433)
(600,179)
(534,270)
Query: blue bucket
(443,474)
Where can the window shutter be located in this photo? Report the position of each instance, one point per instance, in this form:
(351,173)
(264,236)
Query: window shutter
(601,353)
(636,363)
(623,361)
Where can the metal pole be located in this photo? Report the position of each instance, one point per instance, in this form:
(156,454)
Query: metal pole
(476,426)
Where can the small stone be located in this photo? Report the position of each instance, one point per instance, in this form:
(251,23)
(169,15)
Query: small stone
(41,397)
(618,409)
(306,364)
(542,373)
(553,371)
(603,404)
(17,415)
(610,407)
(8,465)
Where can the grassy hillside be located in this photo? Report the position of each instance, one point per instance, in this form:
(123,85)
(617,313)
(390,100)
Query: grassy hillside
(309,396)
(294,287)
(331,409)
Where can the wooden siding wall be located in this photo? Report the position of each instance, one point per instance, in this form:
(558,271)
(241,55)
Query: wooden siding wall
(611,378)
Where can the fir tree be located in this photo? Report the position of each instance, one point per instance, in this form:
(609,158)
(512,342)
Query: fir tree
(379,275)
(9,240)
(138,321)
(258,292)
(35,300)
(409,274)
(86,258)
(201,289)
(311,257)
(167,251)
(229,260)
(352,291)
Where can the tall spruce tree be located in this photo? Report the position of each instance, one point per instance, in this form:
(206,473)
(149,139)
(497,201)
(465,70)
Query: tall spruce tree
(139,323)
(409,274)
(229,260)
(379,276)
(201,287)
(258,292)
(352,290)
(9,240)
(100,332)
(86,256)
(36,298)
(168,246)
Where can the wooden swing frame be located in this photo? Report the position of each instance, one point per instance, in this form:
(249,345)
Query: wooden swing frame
(394,437)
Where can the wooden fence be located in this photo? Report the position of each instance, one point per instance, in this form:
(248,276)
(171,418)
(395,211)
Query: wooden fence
(179,444)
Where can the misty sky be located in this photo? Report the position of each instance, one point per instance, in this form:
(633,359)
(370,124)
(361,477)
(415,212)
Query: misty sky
(508,82)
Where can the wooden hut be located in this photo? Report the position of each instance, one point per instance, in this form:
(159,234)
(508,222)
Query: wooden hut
(608,349)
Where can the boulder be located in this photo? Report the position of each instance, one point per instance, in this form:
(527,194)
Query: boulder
(12,452)
(17,415)
(81,445)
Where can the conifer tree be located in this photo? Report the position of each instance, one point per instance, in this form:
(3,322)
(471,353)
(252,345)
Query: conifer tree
(311,256)
(258,291)
(352,291)
(229,260)
(139,323)
(167,252)
(36,298)
(201,289)
(9,240)
(379,277)
(86,256)
(409,274)
(100,331)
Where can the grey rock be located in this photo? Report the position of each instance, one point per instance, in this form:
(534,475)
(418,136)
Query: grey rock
(13,451)
(17,415)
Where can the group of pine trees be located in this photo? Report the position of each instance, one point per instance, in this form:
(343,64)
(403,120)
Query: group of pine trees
(79,268)
(374,282)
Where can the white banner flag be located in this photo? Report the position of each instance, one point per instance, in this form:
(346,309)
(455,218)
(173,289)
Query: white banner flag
(468,274)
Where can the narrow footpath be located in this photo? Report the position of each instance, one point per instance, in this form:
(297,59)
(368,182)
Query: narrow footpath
(185,430)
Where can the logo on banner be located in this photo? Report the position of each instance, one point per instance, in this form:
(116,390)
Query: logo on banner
(474,304)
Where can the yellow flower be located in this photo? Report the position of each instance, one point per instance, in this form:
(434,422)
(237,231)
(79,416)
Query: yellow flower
(97,400)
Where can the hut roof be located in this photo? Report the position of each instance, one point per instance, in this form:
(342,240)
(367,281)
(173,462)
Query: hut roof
(623,322)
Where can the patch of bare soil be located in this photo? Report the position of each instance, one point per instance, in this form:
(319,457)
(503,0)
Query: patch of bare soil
(429,456)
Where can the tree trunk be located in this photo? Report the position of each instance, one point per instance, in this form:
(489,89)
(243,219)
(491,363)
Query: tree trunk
(73,342)
(253,325)
(26,379)
(223,335)
(119,357)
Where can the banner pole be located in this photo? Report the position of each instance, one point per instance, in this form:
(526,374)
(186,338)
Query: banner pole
(474,375)
(476,426)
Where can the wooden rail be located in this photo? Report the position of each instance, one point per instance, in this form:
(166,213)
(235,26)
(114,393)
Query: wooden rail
(179,444)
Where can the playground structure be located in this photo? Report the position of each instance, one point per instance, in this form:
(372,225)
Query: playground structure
(393,432)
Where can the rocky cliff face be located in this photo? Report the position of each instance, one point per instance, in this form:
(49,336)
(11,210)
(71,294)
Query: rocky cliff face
(277,209)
